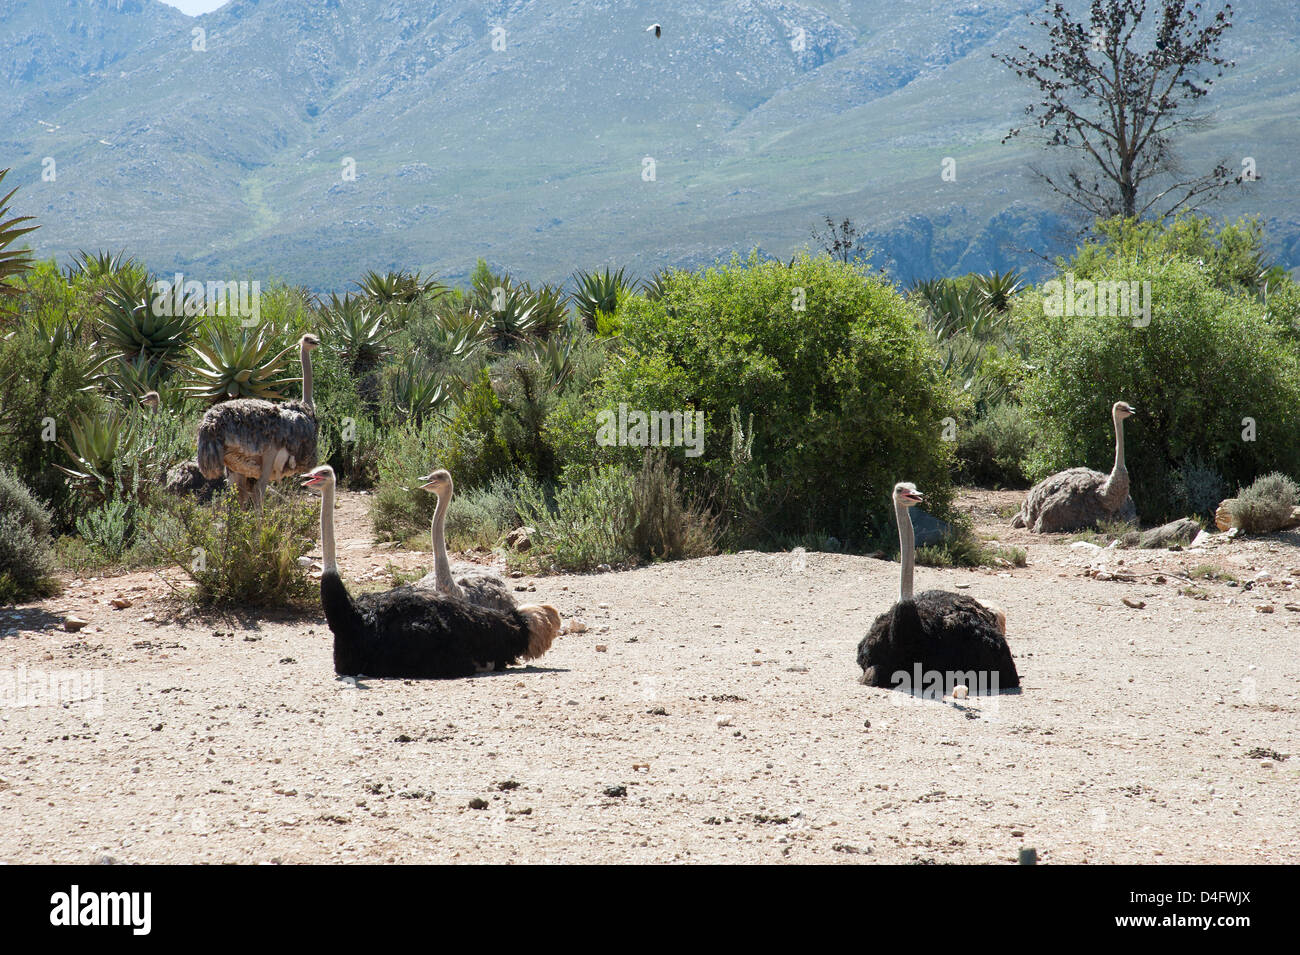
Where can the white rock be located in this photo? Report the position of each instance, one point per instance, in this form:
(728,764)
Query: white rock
(723,720)
(960,692)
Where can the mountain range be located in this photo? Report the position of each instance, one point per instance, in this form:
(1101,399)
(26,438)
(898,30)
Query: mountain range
(312,140)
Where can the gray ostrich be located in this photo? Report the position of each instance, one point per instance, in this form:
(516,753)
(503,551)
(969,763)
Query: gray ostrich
(260,441)
(472,584)
(1080,497)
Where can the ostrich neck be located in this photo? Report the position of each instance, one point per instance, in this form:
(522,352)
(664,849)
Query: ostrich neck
(327,529)
(907,545)
(306,378)
(1119,446)
(441,566)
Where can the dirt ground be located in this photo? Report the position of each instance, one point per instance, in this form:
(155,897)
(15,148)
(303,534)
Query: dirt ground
(708,713)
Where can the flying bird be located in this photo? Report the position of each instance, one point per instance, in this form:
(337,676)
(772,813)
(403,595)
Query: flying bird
(654,26)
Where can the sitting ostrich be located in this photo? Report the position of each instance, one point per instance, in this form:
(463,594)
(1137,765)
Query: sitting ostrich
(479,587)
(261,441)
(415,633)
(935,632)
(184,478)
(1080,497)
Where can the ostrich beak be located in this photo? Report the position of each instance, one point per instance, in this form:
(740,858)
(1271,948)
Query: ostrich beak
(426,482)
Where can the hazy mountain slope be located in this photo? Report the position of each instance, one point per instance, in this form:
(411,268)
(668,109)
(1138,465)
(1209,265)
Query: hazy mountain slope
(232,159)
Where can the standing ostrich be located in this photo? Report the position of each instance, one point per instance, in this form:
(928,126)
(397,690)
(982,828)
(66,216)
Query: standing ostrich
(261,441)
(481,588)
(1080,497)
(935,632)
(415,633)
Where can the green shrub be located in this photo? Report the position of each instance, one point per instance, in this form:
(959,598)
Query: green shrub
(615,516)
(480,517)
(1266,504)
(847,394)
(1196,487)
(237,558)
(1210,375)
(26,556)
(991,450)
(108,530)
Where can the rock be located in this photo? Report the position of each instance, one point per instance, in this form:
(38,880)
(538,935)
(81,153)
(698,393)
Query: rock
(1029,856)
(1087,548)
(521,539)
(960,692)
(723,720)
(576,626)
(73,623)
(1201,539)
(1177,532)
(1135,604)
(615,792)
(928,529)
(304,562)
(1264,608)
(601,648)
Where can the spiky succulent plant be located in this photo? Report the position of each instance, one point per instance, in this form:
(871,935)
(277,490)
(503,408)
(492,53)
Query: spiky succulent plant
(133,324)
(13,262)
(243,364)
(599,292)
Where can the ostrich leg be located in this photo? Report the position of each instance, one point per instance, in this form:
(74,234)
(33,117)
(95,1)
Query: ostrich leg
(269,455)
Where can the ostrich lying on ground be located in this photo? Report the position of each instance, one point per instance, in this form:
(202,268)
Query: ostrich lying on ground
(1080,497)
(415,633)
(935,632)
(185,478)
(479,587)
(261,441)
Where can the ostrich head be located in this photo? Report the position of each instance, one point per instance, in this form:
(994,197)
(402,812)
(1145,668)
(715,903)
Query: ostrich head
(1122,410)
(543,628)
(150,400)
(906,494)
(437,482)
(309,342)
(319,478)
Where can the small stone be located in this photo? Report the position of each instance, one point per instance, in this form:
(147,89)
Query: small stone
(577,626)
(477,803)
(1265,608)
(615,792)
(601,648)
(1029,856)
(1135,604)
(74,623)
(722,720)
(960,692)
(120,603)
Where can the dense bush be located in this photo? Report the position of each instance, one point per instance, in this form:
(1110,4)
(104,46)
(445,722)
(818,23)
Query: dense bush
(26,556)
(846,393)
(991,449)
(1210,375)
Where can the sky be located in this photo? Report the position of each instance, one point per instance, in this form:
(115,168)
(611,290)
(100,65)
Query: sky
(195,7)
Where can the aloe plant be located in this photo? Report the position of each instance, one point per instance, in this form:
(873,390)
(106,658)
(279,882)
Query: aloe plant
(13,262)
(130,325)
(417,392)
(98,440)
(351,328)
(599,292)
(400,287)
(239,365)
(998,288)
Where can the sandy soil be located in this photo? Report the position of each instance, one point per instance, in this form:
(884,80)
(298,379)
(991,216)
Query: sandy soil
(709,713)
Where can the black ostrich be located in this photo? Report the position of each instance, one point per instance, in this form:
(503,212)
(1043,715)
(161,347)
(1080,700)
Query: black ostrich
(416,633)
(935,637)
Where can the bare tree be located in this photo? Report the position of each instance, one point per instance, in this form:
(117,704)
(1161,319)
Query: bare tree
(1118,105)
(842,241)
